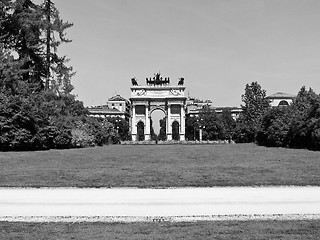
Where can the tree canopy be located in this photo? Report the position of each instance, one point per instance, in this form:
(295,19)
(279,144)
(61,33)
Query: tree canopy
(37,109)
(296,126)
(255,106)
(30,35)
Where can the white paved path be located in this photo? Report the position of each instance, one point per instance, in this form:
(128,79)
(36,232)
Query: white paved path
(159,202)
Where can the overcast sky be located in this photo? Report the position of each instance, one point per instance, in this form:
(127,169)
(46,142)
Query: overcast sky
(218,46)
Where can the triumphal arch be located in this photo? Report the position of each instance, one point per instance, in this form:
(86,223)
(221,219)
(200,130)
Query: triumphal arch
(157,94)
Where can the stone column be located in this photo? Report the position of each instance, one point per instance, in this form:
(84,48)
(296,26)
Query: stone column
(133,124)
(169,127)
(182,123)
(147,125)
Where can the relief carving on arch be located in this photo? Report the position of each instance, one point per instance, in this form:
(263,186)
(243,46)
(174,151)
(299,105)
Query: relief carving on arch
(141,92)
(175,92)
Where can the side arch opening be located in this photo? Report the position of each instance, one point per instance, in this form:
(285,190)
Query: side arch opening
(140,131)
(175,131)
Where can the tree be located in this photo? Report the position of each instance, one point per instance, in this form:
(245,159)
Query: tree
(275,126)
(20,35)
(10,74)
(243,133)
(305,124)
(37,110)
(58,73)
(121,126)
(27,122)
(228,123)
(211,124)
(162,132)
(33,33)
(255,106)
(191,127)
(296,126)
(153,135)
(255,103)
(214,126)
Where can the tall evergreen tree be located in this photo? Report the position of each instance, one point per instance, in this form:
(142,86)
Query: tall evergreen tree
(58,73)
(31,115)
(32,34)
(20,41)
(255,106)
(162,132)
(211,124)
(305,124)
(255,103)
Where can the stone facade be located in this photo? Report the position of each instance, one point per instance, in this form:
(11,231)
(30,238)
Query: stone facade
(195,107)
(116,106)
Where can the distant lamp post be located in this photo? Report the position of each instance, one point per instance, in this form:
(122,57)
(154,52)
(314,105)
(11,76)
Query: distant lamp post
(200,132)
(201,127)
(117,127)
(195,126)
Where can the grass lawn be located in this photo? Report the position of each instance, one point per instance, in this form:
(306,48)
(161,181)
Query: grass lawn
(149,166)
(199,230)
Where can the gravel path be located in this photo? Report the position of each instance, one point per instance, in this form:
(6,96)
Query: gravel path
(124,219)
(176,204)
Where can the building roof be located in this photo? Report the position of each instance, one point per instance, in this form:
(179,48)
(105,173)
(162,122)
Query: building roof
(117,98)
(103,110)
(281,95)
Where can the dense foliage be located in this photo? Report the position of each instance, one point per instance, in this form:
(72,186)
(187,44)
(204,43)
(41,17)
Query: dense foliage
(296,126)
(37,109)
(120,128)
(162,132)
(255,106)
(214,126)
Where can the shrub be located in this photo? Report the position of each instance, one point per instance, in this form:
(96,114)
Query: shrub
(63,139)
(275,127)
(243,133)
(80,138)
(89,131)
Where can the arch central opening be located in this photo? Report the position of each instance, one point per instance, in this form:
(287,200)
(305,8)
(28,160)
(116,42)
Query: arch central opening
(158,125)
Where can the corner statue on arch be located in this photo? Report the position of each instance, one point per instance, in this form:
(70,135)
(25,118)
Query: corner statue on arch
(158,94)
(134,82)
(181,81)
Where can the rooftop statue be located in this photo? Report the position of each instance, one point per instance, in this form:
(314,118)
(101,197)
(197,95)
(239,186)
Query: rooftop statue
(181,81)
(134,81)
(157,80)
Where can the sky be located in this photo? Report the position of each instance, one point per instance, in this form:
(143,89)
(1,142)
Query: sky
(218,46)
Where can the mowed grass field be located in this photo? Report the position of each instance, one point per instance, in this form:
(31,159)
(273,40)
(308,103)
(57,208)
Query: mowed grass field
(161,166)
(290,230)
